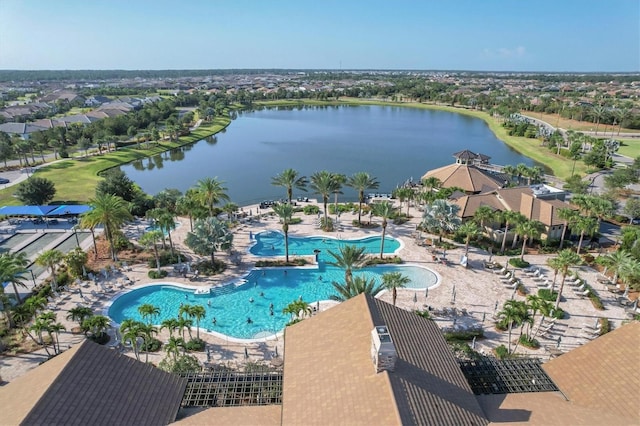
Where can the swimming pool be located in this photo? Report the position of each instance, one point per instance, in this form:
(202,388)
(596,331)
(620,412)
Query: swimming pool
(231,304)
(271,243)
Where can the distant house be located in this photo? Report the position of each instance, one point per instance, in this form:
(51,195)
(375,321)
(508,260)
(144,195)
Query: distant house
(24,130)
(96,100)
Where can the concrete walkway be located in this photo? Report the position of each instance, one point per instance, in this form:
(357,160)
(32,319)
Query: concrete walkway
(477,293)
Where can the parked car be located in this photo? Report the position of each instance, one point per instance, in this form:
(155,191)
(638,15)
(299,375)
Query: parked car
(3,180)
(635,221)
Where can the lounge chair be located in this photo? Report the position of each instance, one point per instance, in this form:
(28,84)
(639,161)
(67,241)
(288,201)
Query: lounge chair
(500,271)
(540,278)
(511,286)
(584,293)
(580,289)
(506,276)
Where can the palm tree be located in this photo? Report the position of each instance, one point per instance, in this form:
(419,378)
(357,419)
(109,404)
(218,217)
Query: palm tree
(393,281)
(512,313)
(285,213)
(629,274)
(148,239)
(431,183)
(97,325)
(147,331)
(565,259)
(51,259)
(510,218)
(188,205)
(404,193)
(166,223)
(174,345)
(298,309)
(171,324)
(599,112)
(109,211)
(482,215)
(358,286)
(585,225)
(385,210)
(184,324)
(290,179)
(529,229)
(556,266)
(442,216)
(568,216)
(538,304)
(130,331)
(209,192)
(209,236)
(148,312)
(55,327)
(617,261)
(197,312)
(39,326)
(362,181)
(79,314)
(340,180)
(349,258)
(324,184)
(13,266)
(470,231)
(230,209)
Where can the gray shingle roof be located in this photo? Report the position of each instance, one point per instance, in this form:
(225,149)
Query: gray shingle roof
(100,386)
(427,383)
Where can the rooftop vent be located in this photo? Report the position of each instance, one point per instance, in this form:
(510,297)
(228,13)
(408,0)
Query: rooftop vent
(383,351)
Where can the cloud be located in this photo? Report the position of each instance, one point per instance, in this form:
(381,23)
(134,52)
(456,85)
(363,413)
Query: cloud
(503,52)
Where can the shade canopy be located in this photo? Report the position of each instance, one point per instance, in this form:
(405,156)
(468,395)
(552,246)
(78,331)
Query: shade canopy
(62,210)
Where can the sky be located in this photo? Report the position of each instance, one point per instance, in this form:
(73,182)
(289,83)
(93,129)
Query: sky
(474,35)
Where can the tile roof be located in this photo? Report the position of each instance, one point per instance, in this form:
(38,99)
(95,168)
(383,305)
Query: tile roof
(469,178)
(603,374)
(428,385)
(95,385)
(329,375)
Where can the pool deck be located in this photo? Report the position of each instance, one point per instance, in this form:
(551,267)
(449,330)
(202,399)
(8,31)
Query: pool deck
(477,290)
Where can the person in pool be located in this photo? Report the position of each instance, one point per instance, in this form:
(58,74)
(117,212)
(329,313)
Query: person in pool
(249,320)
(251,300)
(214,321)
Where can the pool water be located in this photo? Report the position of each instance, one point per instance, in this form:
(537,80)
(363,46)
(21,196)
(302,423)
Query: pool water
(231,304)
(271,243)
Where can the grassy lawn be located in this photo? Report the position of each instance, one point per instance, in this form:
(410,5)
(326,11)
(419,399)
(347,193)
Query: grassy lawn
(586,126)
(630,147)
(560,166)
(76,179)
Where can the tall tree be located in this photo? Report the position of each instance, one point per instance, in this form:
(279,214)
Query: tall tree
(358,286)
(441,216)
(349,257)
(510,218)
(362,181)
(111,212)
(470,231)
(35,191)
(393,281)
(482,215)
(385,210)
(209,236)
(529,230)
(324,183)
(209,192)
(51,259)
(565,259)
(290,179)
(512,313)
(13,266)
(586,226)
(285,213)
(568,216)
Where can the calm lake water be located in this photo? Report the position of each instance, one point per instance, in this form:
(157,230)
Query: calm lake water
(391,143)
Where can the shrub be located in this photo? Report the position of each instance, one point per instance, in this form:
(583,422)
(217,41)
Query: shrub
(298,261)
(547,295)
(101,339)
(463,335)
(529,342)
(326,224)
(385,260)
(152,345)
(311,209)
(423,314)
(295,221)
(165,258)
(205,267)
(195,345)
(522,289)
(605,325)
(364,225)
(502,352)
(588,259)
(595,299)
(182,364)
(519,263)
(399,220)
(154,274)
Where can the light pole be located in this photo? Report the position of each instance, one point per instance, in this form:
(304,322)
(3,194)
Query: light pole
(33,277)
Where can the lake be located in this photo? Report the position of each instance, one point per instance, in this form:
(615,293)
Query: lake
(393,144)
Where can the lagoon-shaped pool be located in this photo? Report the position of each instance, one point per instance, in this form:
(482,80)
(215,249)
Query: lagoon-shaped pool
(231,304)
